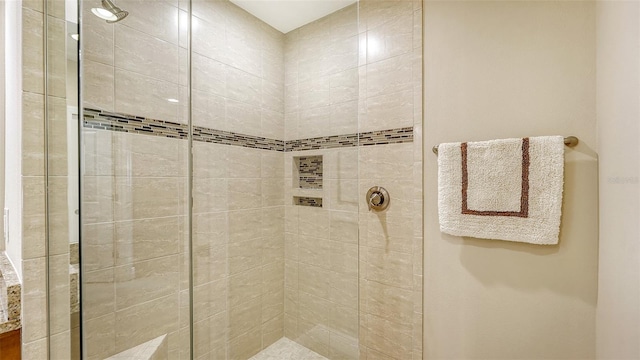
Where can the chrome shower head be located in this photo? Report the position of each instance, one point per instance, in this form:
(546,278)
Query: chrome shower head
(110,12)
(119,13)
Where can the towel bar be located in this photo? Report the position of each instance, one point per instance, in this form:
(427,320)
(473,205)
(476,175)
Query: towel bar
(570,141)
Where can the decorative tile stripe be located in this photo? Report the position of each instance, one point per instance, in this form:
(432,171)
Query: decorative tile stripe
(307,201)
(103,120)
(324,142)
(383,137)
(309,172)
(229,138)
(98,119)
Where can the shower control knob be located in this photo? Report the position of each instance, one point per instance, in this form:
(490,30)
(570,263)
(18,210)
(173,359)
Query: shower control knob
(377,198)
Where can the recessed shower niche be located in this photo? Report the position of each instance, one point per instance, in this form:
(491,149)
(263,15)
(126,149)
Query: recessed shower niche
(307,178)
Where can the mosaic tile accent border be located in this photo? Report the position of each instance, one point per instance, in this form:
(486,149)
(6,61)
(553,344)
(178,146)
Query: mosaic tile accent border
(382,137)
(307,201)
(309,172)
(229,138)
(104,120)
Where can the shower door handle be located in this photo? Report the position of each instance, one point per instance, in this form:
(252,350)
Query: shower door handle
(378,198)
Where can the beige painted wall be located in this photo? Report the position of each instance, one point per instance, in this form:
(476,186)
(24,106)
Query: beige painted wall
(512,69)
(618,109)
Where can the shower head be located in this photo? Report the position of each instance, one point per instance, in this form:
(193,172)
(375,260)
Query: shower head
(110,12)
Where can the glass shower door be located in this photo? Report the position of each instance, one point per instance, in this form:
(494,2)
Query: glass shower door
(135,176)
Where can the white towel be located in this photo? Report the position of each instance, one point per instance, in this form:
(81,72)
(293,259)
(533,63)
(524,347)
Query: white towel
(507,189)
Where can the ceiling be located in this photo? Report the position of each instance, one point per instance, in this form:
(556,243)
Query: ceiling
(287,15)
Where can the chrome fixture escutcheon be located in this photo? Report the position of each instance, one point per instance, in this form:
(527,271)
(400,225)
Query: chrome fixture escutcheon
(378,198)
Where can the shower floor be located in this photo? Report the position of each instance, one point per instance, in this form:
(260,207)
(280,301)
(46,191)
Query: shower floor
(285,349)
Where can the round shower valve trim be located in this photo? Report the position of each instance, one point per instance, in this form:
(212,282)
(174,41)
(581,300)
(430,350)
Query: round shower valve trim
(378,198)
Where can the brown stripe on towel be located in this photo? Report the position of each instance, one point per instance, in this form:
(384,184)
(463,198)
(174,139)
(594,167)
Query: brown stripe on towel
(524,195)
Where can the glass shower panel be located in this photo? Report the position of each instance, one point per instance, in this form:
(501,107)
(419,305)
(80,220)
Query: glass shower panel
(135,176)
(238,202)
(321,184)
(275,179)
(61,177)
(390,156)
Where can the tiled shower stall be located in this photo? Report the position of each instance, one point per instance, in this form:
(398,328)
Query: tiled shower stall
(223,171)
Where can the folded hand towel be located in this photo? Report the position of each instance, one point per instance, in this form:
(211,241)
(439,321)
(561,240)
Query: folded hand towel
(507,189)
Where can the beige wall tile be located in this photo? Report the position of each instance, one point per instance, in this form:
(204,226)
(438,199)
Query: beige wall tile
(210,299)
(272,249)
(244,317)
(159,18)
(344,226)
(272,330)
(208,110)
(343,347)
(244,255)
(33,219)
(314,280)
(343,289)
(244,162)
(245,224)
(314,310)
(143,96)
(391,232)
(146,280)
(138,198)
(60,345)
(291,275)
(273,301)
(388,302)
(149,238)
(34,299)
(98,38)
(245,345)
(145,321)
(390,76)
(314,337)
(100,337)
(210,230)
(388,337)
(392,38)
(59,298)
(57,130)
(98,293)
(32,134)
(245,194)
(203,43)
(388,111)
(272,124)
(244,286)
(32,51)
(388,267)
(343,320)
(375,13)
(210,160)
(210,195)
(314,222)
(145,54)
(153,156)
(314,251)
(35,349)
(209,264)
(99,87)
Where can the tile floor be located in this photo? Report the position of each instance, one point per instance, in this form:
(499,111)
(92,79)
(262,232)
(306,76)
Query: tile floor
(285,349)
